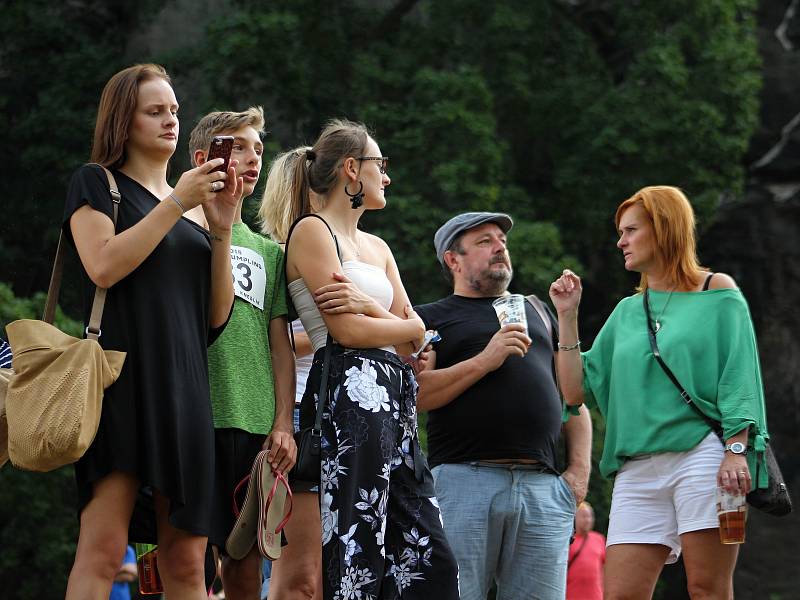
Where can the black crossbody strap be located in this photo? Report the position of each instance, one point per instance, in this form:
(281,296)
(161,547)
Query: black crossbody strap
(715,426)
(322,396)
(578,551)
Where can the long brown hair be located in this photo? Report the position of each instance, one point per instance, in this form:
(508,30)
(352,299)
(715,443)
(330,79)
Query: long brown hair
(672,218)
(115,113)
(318,169)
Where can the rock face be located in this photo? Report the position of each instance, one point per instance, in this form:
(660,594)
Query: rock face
(756,239)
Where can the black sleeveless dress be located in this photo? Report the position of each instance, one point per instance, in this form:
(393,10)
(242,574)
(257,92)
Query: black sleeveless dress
(156,419)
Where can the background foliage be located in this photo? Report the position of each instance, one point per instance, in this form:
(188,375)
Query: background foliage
(551,110)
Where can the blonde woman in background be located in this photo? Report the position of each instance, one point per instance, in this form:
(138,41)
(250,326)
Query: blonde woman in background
(298,573)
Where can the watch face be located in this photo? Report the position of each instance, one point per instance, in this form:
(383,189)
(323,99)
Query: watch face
(737,447)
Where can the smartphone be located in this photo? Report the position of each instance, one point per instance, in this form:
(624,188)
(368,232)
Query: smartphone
(221,147)
(431,336)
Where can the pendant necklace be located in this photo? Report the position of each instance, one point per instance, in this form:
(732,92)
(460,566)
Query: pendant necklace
(661,314)
(355,247)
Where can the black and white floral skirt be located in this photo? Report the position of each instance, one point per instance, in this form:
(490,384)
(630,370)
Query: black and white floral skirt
(382,535)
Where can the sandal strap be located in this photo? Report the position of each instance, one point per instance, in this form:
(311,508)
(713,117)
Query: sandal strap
(289,495)
(279,478)
(236,508)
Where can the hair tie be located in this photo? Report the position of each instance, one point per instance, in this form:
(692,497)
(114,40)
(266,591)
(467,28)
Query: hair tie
(310,155)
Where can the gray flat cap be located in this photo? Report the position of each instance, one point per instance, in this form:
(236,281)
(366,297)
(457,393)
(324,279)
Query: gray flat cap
(460,223)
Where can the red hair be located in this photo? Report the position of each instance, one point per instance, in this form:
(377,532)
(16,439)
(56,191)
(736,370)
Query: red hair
(672,218)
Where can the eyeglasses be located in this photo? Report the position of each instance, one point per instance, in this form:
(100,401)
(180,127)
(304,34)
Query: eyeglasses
(384,161)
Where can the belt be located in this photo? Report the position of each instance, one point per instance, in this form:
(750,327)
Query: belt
(536,467)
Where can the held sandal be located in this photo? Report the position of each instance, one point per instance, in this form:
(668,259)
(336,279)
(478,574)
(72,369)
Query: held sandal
(243,535)
(273,490)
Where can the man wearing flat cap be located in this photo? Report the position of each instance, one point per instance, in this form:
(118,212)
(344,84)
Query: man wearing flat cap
(494,420)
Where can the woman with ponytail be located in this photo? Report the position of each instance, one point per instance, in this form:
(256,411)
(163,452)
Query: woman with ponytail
(381,528)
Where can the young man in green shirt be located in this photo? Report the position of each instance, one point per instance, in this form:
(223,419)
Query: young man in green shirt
(251,365)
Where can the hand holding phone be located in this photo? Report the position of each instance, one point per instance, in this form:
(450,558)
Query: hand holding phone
(431,336)
(221,147)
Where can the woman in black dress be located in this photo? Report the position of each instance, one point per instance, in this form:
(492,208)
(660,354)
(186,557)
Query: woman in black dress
(169,294)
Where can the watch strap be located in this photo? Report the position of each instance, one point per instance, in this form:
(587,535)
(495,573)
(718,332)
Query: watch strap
(740,448)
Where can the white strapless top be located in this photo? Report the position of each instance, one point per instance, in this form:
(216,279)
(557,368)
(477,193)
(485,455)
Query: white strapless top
(368,278)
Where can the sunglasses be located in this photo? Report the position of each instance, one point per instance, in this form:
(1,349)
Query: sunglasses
(384,161)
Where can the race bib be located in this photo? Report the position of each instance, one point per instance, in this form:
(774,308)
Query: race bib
(249,275)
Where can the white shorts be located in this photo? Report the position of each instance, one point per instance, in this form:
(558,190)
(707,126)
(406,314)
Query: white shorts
(658,497)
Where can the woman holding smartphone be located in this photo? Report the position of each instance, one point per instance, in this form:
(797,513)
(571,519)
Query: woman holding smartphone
(169,295)
(381,528)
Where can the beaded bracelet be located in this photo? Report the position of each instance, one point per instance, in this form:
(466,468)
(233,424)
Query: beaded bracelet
(574,346)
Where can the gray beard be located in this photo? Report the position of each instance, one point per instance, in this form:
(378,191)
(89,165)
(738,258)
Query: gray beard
(492,283)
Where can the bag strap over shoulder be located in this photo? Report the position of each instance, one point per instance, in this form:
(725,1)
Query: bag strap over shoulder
(715,426)
(322,395)
(578,551)
(292,313)
(96,316)
(540,308)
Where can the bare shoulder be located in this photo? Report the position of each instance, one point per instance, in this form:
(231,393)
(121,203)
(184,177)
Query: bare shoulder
(722,281)
(310,230)
(375,242)
(310,237)
(378,248)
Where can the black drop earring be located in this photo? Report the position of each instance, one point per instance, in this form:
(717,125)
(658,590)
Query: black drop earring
(356,199)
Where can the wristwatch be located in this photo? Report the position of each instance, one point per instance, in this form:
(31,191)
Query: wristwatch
(736,448)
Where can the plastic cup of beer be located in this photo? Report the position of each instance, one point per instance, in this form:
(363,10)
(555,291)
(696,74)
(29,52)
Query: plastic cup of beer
(511,309)
(731,510)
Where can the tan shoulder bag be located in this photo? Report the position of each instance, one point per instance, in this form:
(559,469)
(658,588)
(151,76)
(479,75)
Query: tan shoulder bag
(55,391)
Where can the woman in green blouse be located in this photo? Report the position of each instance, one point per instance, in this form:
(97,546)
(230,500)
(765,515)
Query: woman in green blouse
(666,460)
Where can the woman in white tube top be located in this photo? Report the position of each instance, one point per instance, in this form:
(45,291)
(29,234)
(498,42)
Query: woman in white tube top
(298,573)
(381,528)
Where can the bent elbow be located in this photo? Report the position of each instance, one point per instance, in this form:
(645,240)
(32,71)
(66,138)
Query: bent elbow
(102,278)
(351,334)
(344,337)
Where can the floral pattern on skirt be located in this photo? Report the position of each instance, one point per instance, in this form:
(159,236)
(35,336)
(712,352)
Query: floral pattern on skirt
(382,531)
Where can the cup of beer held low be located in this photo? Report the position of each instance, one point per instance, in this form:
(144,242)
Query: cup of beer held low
(731,510)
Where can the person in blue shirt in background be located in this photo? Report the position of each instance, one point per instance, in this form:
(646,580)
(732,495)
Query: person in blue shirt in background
(121,589)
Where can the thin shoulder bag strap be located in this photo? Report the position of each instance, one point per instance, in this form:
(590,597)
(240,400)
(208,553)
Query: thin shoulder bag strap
(322,395)
(651,333)
(98,304)
(578,551)
(707,282)
(538,305)
(286,258)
